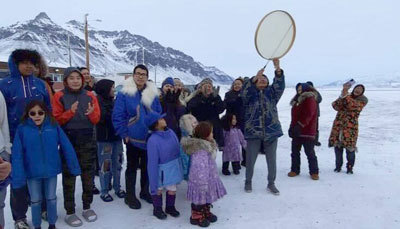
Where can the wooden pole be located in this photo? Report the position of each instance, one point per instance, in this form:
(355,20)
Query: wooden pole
(87,42)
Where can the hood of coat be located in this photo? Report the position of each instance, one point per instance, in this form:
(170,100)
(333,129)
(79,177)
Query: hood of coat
(298,99)
(149,93)
(103,88)
(362,98)
(192,145)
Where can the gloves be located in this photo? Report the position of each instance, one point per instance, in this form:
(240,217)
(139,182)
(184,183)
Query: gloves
(295,131)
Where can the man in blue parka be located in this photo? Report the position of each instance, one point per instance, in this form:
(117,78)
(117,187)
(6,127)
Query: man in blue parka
(19,89)
(262,127)
(136,100)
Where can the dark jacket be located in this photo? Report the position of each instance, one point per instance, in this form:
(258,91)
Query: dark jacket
(18,91)
(174,111)
(208,109)
(104,129)
(234,105)
(261,114)
(36,152)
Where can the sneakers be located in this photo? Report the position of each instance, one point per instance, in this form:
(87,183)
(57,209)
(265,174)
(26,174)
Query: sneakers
(292,174)
(21,224)
(147,198)
(121,194)
(73,220)
(133,202)
(89,215)
(272,188)
(314,176)
(106,198)
(247,186)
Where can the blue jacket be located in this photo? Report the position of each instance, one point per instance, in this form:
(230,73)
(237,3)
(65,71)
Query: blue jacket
(36,152)
(163,160)
(260,111)
(18,91)
(130,110)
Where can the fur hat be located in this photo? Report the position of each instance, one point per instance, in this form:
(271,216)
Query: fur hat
(205,81)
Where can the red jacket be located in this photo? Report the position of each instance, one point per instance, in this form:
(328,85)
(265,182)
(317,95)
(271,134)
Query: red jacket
(69,120)
(305,113)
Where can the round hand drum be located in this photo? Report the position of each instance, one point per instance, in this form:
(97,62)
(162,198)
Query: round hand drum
(275,35)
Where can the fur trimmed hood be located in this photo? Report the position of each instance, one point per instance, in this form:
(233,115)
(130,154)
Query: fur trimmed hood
(149,93)
(192,145)
(298,99)
(362,98)
(185,123)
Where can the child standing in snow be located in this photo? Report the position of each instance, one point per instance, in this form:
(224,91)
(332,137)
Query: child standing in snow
(204,185)
(187,123)
(36,159)
(163,165)
(234,142)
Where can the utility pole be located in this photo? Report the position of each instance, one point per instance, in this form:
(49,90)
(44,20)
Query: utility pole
(143,55)
(87,42)
(69,51)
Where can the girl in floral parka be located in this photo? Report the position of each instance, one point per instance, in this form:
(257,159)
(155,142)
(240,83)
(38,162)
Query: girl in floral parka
(204,185)
(344,132)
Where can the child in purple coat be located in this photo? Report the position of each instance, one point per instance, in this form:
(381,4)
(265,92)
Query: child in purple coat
(164,166)
(204,184)
(234,143)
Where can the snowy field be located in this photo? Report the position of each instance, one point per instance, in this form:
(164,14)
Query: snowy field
(366,199)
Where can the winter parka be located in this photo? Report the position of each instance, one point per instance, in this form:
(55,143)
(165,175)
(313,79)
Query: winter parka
(345,127)
(36,152)
(305,113)
(209,109)
(18,91)
(130,109)
(260,109)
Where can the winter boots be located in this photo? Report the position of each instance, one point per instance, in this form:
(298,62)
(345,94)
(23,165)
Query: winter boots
(225,168)
(210,216)
(170,206)
(157,203)
(198,216)
(169,209)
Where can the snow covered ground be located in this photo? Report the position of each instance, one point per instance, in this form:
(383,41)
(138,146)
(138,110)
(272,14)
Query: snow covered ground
(366,199)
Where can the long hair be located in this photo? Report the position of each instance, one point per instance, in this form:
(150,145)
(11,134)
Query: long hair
(203,130)
(42,106)
(227,121)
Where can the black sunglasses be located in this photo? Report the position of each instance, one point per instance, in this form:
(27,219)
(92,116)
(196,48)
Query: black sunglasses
(33,113)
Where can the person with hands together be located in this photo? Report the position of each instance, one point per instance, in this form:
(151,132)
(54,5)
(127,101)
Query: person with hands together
(77,111)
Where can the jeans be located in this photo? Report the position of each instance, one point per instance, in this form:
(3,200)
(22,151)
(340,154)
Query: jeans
(35,186)
(110,156)
(350,155)
(3,193)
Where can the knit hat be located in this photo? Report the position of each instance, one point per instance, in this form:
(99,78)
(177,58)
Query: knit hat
(67,73)
(103,87)
(169,81)
(205,81)
(152,118)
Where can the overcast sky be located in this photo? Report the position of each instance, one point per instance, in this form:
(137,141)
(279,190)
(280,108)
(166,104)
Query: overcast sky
(336,39)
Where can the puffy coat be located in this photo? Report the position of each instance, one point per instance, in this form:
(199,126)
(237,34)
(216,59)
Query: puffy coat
(345,127)
(261,114)
(234,105)
(36,152)
(305,113)
(18,91)
(208,109)
(131,108)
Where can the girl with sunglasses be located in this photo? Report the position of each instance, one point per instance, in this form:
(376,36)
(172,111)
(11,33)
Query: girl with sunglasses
(36,159)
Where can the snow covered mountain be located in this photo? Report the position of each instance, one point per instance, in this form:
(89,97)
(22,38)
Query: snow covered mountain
(111,52)
(376,81)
